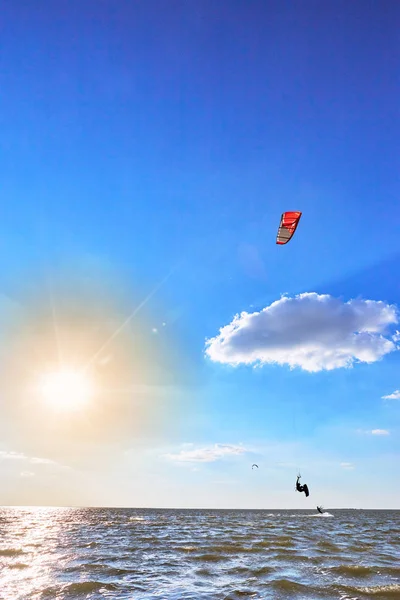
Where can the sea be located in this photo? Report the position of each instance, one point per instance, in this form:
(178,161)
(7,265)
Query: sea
(155,554)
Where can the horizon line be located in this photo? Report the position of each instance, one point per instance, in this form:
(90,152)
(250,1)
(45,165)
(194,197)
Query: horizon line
(181,508)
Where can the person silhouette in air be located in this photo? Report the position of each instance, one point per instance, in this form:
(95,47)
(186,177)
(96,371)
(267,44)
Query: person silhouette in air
(302,488)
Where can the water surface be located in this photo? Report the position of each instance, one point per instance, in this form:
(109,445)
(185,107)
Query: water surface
(143,554)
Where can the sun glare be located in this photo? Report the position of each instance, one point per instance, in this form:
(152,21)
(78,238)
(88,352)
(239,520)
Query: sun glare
(67,389)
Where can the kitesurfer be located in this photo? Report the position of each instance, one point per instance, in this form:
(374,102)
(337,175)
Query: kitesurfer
(320,509)
(302,488)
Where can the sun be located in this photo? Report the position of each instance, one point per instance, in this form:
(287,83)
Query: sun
(66,389)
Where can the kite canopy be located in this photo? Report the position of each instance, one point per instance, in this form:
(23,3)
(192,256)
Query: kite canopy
(287,226)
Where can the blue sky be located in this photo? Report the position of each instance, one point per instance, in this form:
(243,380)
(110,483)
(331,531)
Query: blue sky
(143,141)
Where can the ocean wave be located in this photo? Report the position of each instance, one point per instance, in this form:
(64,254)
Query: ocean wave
(353,570)
(237,594)
(79,589)
(360,570)
(264,570)
(282,541)
(18,566)
(209,557)
(227,548)
(359,548)
(204,572)
(379,592)
(287,586)
(11,552)
(318,515)
(328,546)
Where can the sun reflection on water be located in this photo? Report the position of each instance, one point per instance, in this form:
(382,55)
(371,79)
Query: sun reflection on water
(30,550)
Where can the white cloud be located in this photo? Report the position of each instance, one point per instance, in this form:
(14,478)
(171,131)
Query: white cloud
(27,474)
(394,396)
(374,431)
(11,455)
(42,461)
(207,454)
(310,331)
(346,465)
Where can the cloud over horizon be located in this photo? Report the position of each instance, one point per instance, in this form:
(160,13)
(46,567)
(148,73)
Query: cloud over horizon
(312,331)
(208,453)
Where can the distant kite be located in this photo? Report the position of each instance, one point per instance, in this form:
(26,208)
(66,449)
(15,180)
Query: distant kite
(287,226)
(254,466)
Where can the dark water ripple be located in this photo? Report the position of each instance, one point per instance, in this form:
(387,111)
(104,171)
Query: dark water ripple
(70,553)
